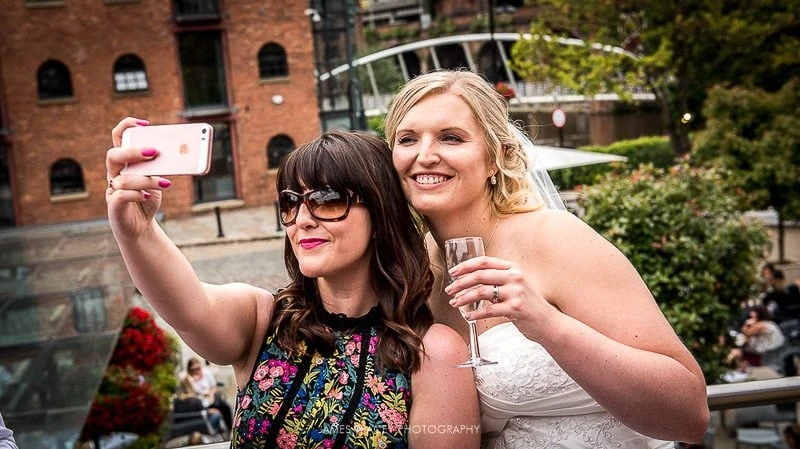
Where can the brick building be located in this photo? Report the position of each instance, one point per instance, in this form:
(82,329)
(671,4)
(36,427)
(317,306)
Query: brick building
(70,69)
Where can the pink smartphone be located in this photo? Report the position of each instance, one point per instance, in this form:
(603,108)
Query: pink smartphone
(184,148)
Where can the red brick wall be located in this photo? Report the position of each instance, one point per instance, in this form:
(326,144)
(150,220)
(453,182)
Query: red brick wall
(88,36)
(258,119)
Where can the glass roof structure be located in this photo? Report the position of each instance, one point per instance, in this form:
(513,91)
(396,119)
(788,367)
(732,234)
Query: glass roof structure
(64,293)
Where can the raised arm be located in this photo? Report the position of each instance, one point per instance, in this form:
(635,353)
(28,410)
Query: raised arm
(444,411)
(222,323)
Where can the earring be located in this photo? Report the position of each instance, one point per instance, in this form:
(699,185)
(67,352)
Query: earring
(493,179)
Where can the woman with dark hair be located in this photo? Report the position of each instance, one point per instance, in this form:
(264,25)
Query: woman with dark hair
(347,355)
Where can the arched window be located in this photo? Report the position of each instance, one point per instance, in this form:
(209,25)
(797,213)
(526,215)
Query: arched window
(272,62)
(53,80)
(129,74)
(66,177)
(279,146)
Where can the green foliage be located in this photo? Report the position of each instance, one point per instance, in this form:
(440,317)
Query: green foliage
(677,50)
(754,135)
(653,150)
(388,76)
(682,231)
(398,33)
(371,36)
(442,27)
(480,24)
(376,124)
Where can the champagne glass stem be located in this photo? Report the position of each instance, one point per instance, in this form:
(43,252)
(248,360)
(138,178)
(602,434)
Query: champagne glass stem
(475,359)
(474,351)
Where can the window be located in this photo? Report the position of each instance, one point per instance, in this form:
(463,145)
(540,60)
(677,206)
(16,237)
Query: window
(196,10)
(203,70)
(66,177)
(53,80)
(129,74)
(278,147)
(272,62)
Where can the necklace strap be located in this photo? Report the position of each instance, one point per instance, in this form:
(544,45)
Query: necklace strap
(491,236)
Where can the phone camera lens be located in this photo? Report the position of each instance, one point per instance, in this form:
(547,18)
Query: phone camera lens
(205,130)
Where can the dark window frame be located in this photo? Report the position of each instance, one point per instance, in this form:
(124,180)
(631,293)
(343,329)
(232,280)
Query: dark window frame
(53,81)
(272,61)
(203,76)
(278,147)
(66,177)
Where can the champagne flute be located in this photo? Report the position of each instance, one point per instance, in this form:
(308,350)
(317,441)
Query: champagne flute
(456,251)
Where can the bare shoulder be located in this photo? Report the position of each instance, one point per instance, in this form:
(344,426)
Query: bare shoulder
(550,231)
(443,344)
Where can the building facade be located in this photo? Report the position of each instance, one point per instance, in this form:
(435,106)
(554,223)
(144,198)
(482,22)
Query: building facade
(70,69)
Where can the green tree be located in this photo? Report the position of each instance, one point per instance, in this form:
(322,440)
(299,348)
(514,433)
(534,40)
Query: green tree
(683,232)
(386,73)
(755,136)
(676,50)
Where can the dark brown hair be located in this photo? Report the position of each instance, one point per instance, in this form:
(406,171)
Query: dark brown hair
(400,271)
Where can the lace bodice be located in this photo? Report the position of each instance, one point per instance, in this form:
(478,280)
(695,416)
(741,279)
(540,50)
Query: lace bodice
(528,401)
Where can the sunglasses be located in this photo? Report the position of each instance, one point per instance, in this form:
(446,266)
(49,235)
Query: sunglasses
(323,204)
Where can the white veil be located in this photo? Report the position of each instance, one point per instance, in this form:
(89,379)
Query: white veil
(537,173)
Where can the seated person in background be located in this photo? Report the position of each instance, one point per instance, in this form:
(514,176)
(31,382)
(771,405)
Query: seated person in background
(761,335)
(201,382)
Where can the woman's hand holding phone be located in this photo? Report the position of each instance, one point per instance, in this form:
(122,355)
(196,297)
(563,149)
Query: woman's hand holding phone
(132,199)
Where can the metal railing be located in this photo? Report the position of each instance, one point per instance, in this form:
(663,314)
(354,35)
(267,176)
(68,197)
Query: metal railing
(753,393)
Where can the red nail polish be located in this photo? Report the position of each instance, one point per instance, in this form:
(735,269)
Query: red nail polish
(147,152)
(164,183)
(146,195)
(142,122)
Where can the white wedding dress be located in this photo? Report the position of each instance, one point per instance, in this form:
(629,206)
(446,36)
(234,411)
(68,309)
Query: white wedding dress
(528,401)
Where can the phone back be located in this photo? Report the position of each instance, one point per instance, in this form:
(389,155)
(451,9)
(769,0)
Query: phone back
(184,148)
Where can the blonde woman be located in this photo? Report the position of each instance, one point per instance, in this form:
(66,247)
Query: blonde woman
(585,358)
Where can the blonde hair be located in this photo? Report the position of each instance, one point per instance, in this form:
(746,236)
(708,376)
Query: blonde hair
(514,191)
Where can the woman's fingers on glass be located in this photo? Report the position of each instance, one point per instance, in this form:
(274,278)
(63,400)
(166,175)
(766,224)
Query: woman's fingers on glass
(473,294)
(479,263)
(480,278)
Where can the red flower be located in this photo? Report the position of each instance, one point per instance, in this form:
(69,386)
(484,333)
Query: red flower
(506,90)
(126,400)
(142,344)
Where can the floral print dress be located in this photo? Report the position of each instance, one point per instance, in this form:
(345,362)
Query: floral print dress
(313,401)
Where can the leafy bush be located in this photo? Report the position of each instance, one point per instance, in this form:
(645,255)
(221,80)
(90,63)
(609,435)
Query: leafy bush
(754,135)
(682,231)
(376,125)
(655,150)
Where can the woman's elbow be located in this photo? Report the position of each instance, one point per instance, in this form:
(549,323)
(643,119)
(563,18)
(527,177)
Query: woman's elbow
(697,424)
